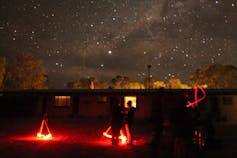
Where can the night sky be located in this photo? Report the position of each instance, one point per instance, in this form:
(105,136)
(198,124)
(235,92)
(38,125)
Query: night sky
(106,38)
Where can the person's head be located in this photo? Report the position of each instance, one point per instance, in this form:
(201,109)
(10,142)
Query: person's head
(129,103)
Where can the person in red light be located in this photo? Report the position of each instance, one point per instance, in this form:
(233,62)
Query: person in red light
(129,117)
(117,119)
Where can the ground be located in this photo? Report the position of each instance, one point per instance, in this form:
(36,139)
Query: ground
(82,137)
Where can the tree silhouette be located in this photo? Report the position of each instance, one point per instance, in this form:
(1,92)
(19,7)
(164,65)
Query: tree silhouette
(215,76)
(2,70)
(25,71)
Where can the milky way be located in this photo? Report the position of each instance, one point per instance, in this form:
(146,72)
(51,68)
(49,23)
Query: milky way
(106,38)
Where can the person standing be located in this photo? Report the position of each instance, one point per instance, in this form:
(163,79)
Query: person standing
(129,118)
(117,119)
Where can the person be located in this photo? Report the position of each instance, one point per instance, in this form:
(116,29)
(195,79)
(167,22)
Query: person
(117,120)
(183,129)
(157,123)
(129,118)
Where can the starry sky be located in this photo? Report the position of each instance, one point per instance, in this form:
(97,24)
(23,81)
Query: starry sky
(106,38)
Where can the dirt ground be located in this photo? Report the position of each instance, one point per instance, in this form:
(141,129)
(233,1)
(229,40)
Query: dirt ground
(81,137)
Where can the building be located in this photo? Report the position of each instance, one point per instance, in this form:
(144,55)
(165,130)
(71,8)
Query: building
(221,104)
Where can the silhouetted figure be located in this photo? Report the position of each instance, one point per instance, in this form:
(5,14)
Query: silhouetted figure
(117,119)
(210,132)
(129,118)
(156,120)
(183,129)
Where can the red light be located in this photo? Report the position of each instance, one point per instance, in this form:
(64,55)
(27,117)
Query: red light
(122,137)
(196,99)
(42,136)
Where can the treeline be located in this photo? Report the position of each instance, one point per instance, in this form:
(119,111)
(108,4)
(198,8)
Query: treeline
(215,76)
(25,71)
(123,82)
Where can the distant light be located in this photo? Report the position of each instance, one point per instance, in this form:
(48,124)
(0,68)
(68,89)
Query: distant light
(101,65)
(109,52)
(232,4)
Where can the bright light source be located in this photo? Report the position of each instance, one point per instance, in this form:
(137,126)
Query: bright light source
(122,137)
(44,137)
(41,136)
(130,98)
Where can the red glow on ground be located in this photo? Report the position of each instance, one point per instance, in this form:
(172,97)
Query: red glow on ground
(122,137)
(33,138)
(196,99)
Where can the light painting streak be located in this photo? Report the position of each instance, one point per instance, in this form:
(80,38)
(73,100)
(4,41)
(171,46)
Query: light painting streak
(196,99)
(41,136)
(122,137)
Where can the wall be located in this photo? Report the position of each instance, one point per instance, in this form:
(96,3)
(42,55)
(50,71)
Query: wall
(228,108)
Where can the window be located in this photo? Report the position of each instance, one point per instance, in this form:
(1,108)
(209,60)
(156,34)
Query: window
(102,99)
(62,101)
(130,98)
(227,100)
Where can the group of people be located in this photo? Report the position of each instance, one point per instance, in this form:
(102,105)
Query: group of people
(122,118)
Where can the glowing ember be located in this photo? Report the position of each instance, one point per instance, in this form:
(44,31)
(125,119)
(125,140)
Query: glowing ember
(122,137)
(196,100)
